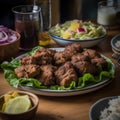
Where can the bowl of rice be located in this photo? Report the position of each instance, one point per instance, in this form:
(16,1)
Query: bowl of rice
(106,109)
(87,33)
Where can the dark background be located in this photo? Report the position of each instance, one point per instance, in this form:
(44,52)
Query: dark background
(69,9)
(6,15)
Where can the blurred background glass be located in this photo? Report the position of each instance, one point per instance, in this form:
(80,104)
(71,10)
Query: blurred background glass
(106,13)
(45,6)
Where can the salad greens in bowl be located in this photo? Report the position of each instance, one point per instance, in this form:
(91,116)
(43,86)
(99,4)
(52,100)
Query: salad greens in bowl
(64,80)
(87,33)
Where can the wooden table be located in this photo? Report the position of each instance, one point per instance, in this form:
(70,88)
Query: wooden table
(74,107)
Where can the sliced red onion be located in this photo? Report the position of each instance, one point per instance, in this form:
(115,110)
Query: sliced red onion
(7,35)
(80,30)
(3,36)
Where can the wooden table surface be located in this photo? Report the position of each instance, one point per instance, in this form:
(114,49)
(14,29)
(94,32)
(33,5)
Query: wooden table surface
(74,107)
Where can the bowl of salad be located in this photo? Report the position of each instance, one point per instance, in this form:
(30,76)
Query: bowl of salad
(87,33)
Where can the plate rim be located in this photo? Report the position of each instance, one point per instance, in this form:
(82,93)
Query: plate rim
(63,93)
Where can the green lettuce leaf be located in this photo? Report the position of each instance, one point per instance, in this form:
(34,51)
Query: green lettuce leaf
(10,65)
(32,52)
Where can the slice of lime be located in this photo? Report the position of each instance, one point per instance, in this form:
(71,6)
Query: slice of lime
(8,96)
(18,104)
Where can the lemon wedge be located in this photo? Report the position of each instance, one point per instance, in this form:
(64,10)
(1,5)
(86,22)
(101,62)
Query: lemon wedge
(18,104)
(7,97)
(67,34)
(44,38)
(74,25)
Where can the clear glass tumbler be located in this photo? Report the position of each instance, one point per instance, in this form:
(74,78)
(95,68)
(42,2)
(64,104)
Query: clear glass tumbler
(29,23)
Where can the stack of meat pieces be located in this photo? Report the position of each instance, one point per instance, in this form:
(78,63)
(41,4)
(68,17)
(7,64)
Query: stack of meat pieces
(53,67)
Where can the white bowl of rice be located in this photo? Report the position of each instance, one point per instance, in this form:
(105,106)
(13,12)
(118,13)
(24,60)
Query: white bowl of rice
(106,109)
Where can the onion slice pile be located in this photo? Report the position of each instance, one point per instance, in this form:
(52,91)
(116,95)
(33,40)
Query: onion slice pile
(7,35)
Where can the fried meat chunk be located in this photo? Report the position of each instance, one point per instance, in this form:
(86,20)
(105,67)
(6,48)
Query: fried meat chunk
(44,56)
(26,60)
(60,58)
(100,61)
(83,67)
(73,48)
(20,72)
(50,51)
(66,55)
(79,57)
(47,76)
(91,53)
(66,74)
(27,71)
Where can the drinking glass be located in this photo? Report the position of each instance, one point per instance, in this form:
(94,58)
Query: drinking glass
(45,6)
(106,13)
(29,23)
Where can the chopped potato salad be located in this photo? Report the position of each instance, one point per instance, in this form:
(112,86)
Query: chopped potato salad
(78,30)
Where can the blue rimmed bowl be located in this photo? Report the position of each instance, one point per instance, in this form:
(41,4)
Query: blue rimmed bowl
(84,43)
(86,33)
(115,44)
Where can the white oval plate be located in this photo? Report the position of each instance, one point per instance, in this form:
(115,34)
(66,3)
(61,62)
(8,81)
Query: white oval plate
(48,92)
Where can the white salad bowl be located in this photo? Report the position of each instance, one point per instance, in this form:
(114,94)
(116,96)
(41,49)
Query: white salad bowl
(88,34)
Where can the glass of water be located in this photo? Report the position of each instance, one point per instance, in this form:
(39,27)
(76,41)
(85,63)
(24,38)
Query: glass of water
(106,13)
